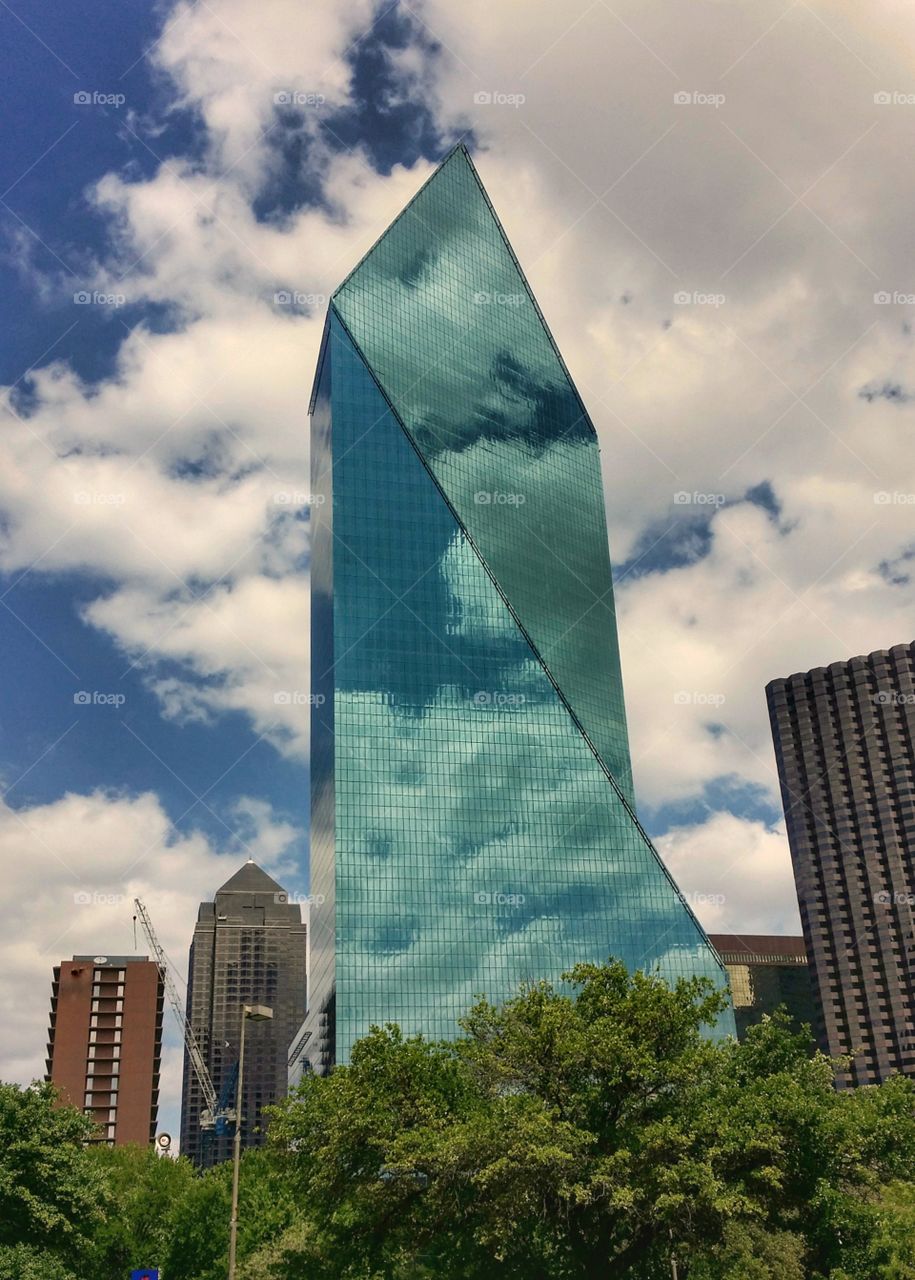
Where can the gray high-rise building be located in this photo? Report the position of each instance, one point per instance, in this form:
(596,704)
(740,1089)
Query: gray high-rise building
(845,748)
(249,947)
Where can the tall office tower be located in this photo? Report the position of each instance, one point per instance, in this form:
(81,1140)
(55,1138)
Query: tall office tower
(845,748)
(105,1042)
(766,972)
(472,807)
(249,947)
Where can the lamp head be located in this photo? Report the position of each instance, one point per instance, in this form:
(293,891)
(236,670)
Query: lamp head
(257,1012)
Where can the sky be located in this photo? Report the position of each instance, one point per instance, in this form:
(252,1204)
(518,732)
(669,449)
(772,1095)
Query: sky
(714,212)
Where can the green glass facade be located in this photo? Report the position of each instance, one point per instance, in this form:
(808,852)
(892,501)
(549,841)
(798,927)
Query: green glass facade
(472,810)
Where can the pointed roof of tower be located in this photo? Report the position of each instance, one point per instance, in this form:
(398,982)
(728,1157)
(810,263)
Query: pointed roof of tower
(251,879)
(446,322)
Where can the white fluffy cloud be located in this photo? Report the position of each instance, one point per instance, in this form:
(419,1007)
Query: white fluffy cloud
(71,871)
(781,212)
(183,478)
(734,874)
(724,276)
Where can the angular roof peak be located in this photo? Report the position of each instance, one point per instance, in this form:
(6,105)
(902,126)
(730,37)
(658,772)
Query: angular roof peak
(251,879)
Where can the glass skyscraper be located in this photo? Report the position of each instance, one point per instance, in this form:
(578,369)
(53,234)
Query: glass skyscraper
(473,821)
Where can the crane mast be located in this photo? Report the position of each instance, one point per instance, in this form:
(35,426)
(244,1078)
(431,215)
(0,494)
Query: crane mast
(214,1111)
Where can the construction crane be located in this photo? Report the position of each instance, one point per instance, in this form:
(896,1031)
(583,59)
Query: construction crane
(218,1113)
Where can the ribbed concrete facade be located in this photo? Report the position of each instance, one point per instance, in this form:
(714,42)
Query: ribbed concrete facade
(845,748)
(105,1043)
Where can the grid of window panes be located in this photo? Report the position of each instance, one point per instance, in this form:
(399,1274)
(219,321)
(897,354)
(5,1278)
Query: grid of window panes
(443,316)
(477,841)
(315,1043)
(106,1021)
(232,966)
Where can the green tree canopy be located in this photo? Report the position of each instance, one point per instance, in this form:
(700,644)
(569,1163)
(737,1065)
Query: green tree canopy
(591,1132)
(147,1193)
(52,1196)
(585,1130)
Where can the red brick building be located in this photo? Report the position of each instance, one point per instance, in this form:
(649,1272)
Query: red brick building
(105,1042)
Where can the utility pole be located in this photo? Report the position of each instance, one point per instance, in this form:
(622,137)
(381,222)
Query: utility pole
(256,1013)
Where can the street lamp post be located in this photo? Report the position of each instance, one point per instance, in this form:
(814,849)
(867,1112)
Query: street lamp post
(256,1013)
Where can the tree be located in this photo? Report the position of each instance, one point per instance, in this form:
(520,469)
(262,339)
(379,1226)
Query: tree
(52,1195)
(146,1193)
(593,1131)
(199,1228)
(24,1262)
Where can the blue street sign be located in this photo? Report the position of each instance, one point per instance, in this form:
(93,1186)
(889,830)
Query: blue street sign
(145,1273)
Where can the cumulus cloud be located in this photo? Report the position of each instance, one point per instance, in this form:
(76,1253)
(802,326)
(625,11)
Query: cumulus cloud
(735,873)
(71,871)
(182,479)
(725,279)
(711,215)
